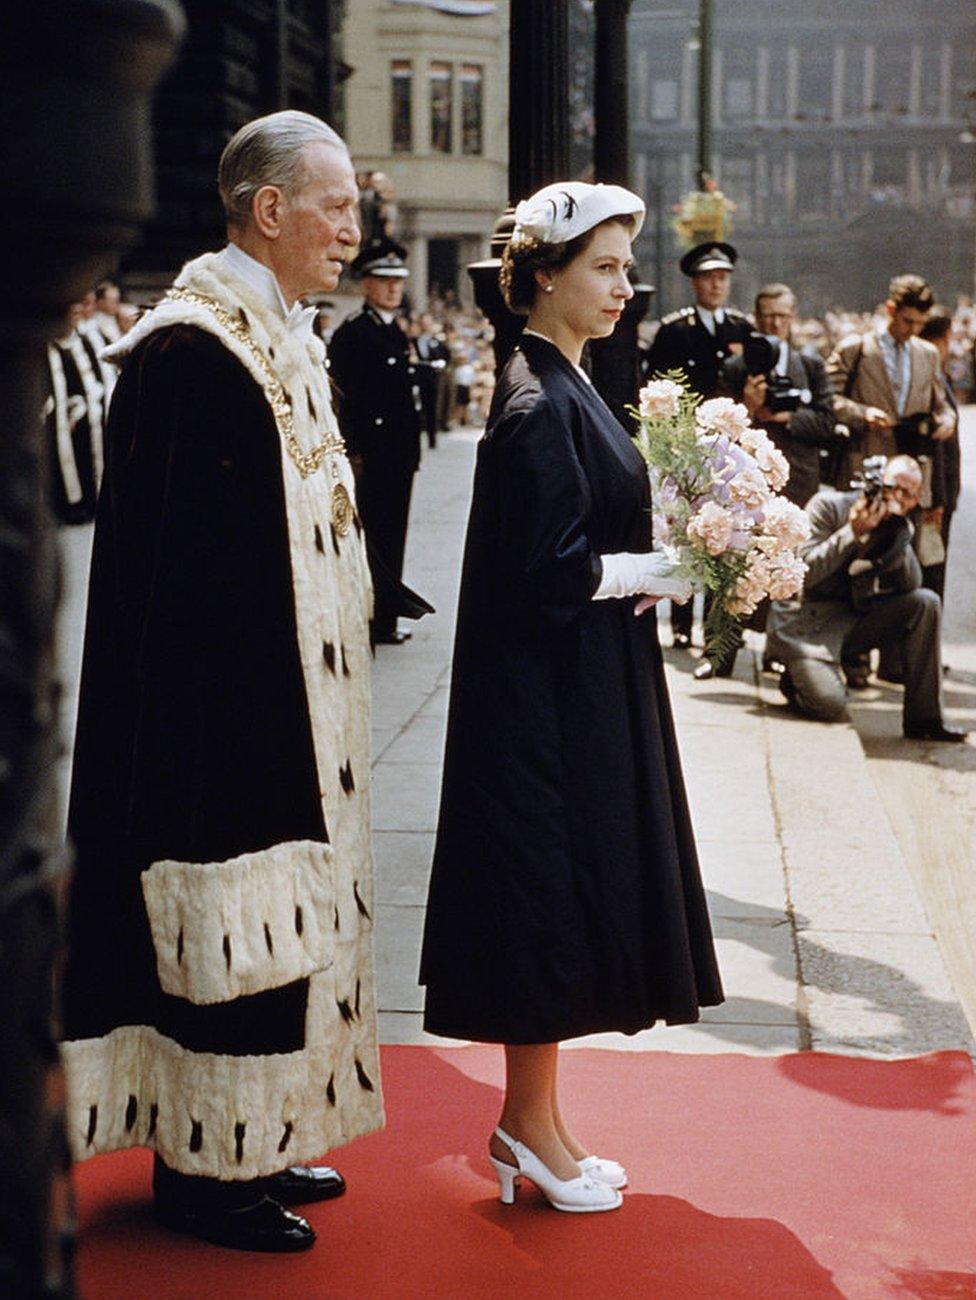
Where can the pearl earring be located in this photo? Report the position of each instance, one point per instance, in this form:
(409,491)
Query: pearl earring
(548,288)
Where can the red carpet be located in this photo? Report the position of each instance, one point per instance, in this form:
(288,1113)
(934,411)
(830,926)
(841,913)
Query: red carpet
(801,1177)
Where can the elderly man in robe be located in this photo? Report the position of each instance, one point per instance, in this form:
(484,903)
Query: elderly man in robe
(218,1001)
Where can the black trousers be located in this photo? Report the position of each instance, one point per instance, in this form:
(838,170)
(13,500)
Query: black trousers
(203,1195)
(384,505)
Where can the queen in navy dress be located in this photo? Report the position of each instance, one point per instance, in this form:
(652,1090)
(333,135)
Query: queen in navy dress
(565,896)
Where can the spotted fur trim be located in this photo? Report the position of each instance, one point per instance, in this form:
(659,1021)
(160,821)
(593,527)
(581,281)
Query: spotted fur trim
(246,1116)
(230,1117)
(224,930)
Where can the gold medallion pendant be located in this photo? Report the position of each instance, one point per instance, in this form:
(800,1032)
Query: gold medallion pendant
(342,511)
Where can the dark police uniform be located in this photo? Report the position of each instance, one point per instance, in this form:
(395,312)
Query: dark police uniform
(684,342)
(378,399)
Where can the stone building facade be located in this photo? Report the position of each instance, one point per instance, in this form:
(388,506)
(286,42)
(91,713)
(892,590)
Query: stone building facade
(844,131)
(426,103)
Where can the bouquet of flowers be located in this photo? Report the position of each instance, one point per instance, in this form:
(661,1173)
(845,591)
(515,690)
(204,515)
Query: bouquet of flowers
(714,483)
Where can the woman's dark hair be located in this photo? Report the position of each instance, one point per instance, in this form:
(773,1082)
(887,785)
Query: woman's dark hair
(521,261)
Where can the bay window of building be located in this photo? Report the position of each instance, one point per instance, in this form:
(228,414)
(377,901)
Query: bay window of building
(441,94)
(472,109)
(401,74)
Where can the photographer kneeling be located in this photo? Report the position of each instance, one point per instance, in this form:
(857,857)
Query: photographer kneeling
(863,590)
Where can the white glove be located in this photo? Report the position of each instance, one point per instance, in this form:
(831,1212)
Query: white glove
(651,574)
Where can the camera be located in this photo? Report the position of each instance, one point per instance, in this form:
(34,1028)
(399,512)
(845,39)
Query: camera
(870,481)
(760,356)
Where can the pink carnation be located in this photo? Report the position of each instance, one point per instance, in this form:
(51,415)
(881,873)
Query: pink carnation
(660,399)
(722,415)
(749,488)
(786,576)
(712,526)
(773,464)
(786,522)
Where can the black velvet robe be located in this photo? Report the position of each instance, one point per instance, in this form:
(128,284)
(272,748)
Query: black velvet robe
(193,738)
(565,896)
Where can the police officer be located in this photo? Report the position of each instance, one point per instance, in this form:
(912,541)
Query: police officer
(697,340)
(376,378)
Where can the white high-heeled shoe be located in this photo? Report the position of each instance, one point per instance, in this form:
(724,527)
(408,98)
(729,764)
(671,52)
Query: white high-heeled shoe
(604,1171)
(582,1195)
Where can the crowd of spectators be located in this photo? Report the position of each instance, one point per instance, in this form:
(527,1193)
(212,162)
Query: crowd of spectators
(821,335)
(467,335)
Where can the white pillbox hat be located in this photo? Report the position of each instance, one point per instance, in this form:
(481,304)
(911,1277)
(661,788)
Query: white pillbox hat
(560,212)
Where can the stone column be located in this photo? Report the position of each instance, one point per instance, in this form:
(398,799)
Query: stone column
(614,360)
(538,142)
(417,261)
(837,94)
(80,164)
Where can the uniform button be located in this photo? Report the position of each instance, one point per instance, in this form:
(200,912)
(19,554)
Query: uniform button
(378,420)
(691,361)
(391,361)
(411,369)
(721,353)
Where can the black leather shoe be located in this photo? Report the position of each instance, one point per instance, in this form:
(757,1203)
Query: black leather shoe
(681,640)
(265,1226)
(934,730)
(392,638)
(303,1184)
(706,670)
(856,678)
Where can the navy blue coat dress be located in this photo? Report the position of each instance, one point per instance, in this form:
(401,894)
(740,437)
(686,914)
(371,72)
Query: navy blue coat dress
(565,896)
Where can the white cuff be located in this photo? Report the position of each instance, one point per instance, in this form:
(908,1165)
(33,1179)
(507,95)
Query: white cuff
(650,574)
(223,930)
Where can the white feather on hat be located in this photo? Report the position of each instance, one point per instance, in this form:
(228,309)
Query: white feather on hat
(560,212)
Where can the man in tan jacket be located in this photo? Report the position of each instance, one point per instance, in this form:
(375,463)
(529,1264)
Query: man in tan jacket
(882,379)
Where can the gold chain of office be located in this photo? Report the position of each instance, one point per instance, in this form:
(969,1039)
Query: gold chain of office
(306,462)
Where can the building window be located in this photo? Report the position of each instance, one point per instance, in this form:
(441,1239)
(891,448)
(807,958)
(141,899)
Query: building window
(472,108)
(440,107)
(664,100)
(737,181)
(402,119)
(738,98)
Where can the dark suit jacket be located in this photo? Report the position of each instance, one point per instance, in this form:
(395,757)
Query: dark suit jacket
(377,387)
(951,466)
(810,428)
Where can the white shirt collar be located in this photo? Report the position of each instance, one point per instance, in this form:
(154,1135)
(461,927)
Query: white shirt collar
(263,282)
(710,319)
(387,317)
(783,356)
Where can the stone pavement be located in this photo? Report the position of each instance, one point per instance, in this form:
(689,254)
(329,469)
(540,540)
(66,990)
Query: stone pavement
(822,938)
(816,856)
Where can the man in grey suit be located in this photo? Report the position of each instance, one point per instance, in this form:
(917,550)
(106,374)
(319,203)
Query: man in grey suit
(863,590)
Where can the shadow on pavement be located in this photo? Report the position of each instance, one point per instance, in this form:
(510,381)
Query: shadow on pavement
(878,989)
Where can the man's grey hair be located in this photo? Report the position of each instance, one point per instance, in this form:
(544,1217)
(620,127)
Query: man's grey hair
(268,151)
(902,464)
